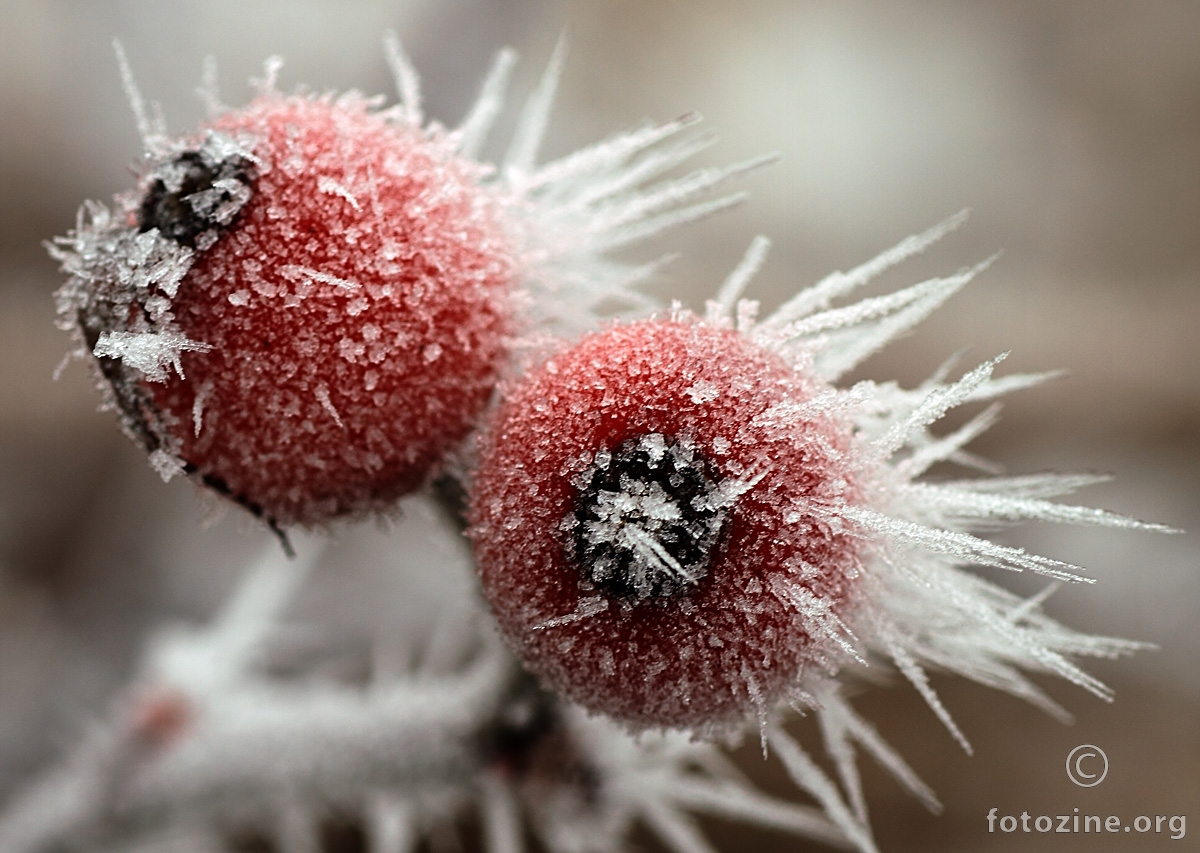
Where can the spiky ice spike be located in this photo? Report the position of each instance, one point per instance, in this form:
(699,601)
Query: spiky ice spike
(783,534)
(307,302)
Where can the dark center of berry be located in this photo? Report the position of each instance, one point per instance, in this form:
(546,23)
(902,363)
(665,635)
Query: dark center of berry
(648,516)
(190,198)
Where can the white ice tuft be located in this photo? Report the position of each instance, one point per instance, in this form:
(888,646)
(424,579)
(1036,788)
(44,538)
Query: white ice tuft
(166,465)
(148,352)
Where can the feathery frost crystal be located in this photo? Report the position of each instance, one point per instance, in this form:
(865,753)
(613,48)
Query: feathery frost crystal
(307,302)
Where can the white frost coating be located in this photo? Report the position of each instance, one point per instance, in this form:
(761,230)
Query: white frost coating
(731,291)
(570,213)
(818,614)
(944,448)
(617,228)
(633,217)
(845,349)
(630,528)
(265,85)
(838,284)
(870,309)
(936,403)
(842,728)
(118,301)
(202,395)
(209,89)
(964,547)
(702,391)
(152,131)
(165,465)
(961,505)
(221,203)
(811,778)
(149,352)
(734,802)
(588,607)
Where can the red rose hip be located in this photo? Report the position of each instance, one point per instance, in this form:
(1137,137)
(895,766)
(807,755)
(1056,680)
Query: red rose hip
(650,524)
(333,316)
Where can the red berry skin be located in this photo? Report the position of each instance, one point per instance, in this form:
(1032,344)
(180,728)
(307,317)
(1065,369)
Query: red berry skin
(732,643)
(356,312)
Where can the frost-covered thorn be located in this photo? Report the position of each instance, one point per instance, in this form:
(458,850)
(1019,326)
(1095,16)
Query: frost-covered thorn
(152,134)
(720,308)
(838,284)
(470,136)
(531,126)
(212,658)
(805,773)
(408,84)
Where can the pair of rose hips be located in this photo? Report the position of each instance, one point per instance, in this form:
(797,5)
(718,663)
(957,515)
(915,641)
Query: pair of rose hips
(308,307)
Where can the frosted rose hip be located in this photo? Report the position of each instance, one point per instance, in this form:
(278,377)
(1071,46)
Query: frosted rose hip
(342,316)
(649,531)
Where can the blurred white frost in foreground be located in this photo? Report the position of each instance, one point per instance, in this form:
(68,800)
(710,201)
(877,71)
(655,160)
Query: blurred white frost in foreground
(232,725)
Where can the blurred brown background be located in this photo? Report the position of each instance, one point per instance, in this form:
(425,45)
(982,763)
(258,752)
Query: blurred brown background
(1072,129)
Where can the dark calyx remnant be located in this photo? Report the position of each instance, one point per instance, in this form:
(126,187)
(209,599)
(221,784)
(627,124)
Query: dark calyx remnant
(648,518)
(194,193)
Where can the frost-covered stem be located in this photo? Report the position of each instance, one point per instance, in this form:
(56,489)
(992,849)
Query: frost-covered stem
(328,740)
(202,733)
(66,802)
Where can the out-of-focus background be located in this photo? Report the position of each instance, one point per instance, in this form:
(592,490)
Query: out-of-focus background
(1072,129)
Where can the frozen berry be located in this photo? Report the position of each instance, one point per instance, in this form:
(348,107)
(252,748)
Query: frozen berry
(656,529)
(306,306)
